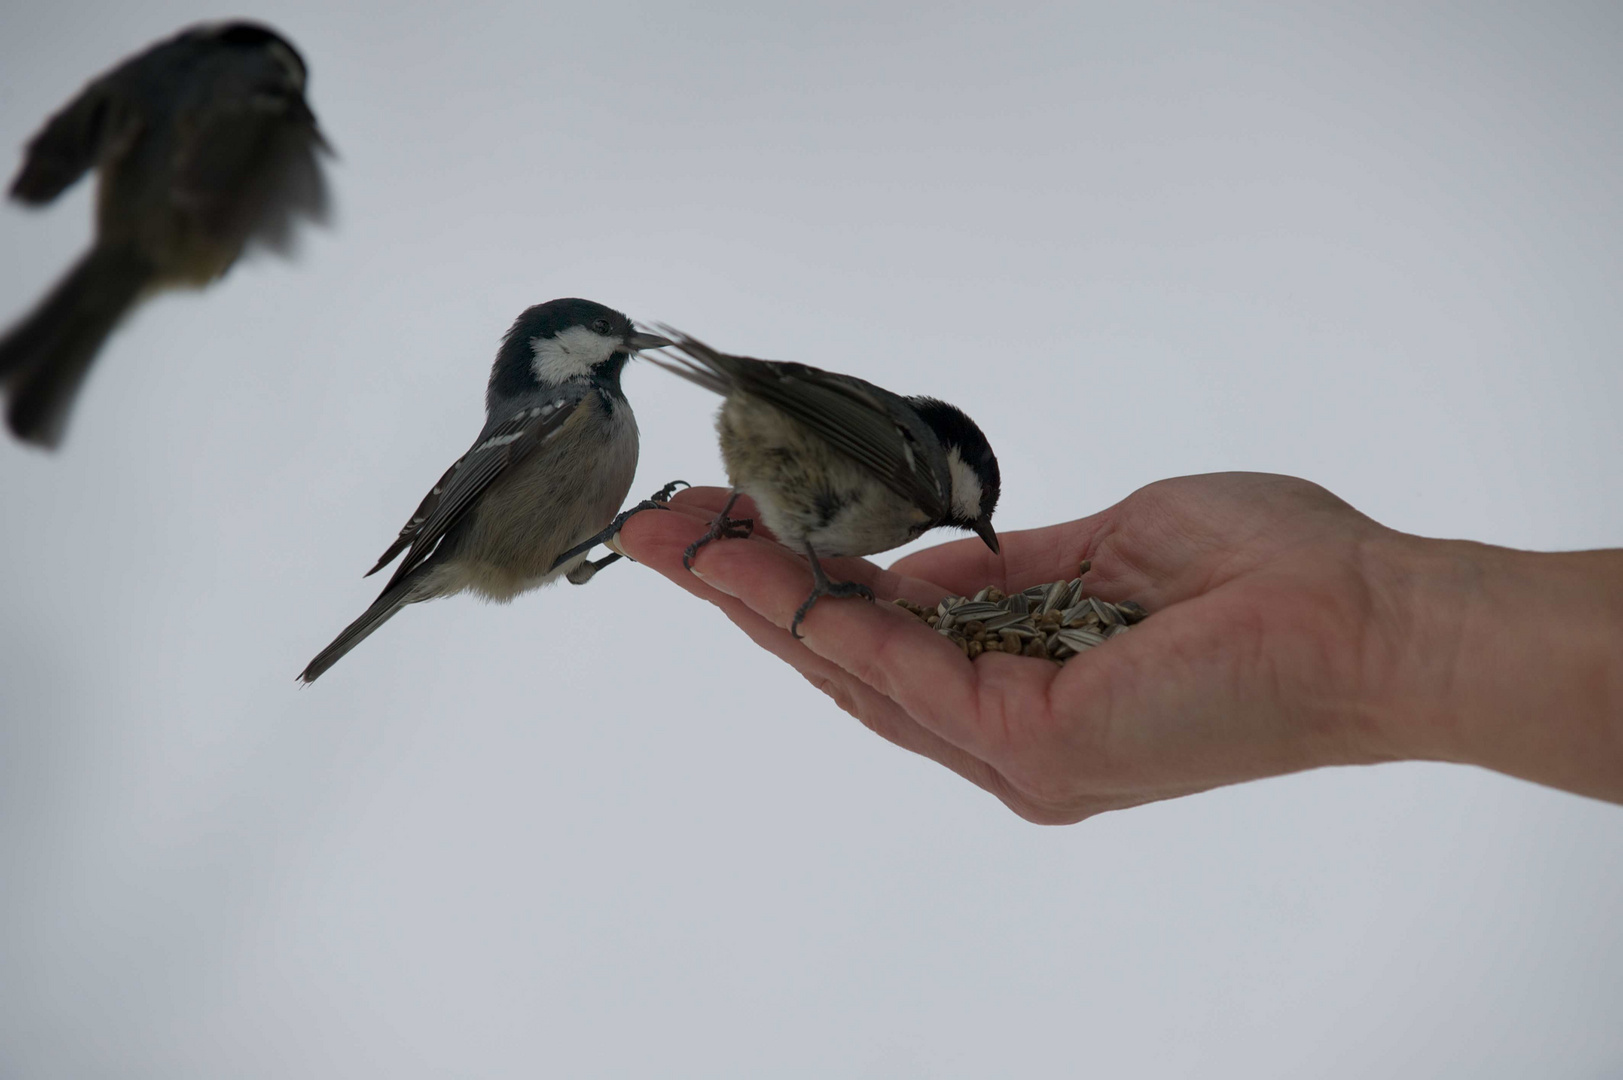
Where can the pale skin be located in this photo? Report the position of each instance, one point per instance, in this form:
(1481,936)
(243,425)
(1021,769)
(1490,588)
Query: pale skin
(1288,631)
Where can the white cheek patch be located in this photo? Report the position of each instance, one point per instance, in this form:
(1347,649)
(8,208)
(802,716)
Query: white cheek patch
(966,486)
(569,354)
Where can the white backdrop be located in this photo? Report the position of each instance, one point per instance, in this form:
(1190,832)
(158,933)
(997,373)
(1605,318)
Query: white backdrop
(596,833)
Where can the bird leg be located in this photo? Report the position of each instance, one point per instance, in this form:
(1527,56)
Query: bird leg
(821,587)
(723,528)
(583,573)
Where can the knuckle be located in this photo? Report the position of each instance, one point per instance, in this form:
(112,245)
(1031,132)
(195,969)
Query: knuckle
(839,693)
(1035,812)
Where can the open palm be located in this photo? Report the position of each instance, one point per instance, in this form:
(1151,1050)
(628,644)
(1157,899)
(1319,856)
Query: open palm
(1270,647)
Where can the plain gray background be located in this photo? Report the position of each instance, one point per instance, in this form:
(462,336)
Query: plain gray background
(596,833)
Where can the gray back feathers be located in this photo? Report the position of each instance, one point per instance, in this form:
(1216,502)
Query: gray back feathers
(870,425)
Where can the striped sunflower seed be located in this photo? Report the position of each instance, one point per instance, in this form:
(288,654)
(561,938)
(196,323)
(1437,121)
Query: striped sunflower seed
(975,609)
(1131,611)
(1080,639)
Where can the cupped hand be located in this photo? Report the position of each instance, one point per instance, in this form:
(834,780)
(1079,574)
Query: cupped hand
(1273,644)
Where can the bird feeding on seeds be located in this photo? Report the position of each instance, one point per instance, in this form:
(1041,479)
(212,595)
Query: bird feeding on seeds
(835,465)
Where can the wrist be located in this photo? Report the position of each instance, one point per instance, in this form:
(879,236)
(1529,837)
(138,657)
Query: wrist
(1511,660)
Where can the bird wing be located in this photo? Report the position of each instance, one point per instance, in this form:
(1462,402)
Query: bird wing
(502,444)
(95,125)
(871,426)
(244,160)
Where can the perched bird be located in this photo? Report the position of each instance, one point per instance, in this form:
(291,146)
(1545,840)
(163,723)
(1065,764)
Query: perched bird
(202,143)
(542,482)
(836,465)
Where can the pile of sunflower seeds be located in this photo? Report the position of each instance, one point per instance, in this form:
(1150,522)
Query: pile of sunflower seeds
(1050,622)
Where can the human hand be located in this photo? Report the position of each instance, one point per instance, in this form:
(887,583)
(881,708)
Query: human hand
(1287,631)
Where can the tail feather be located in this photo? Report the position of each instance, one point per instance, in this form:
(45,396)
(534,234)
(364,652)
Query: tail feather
(382,610)
(701,365)
(44,359)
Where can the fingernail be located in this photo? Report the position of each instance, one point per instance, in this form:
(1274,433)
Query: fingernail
(707,580)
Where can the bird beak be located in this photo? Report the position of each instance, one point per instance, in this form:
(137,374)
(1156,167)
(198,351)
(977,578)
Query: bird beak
(639,341)
(983,529)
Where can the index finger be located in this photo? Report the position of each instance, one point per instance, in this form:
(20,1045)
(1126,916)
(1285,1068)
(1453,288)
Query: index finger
(973,706)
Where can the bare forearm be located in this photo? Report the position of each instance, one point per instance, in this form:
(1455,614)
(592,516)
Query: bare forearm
(1517,662)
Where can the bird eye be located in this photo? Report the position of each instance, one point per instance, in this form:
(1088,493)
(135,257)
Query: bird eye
(601,326)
